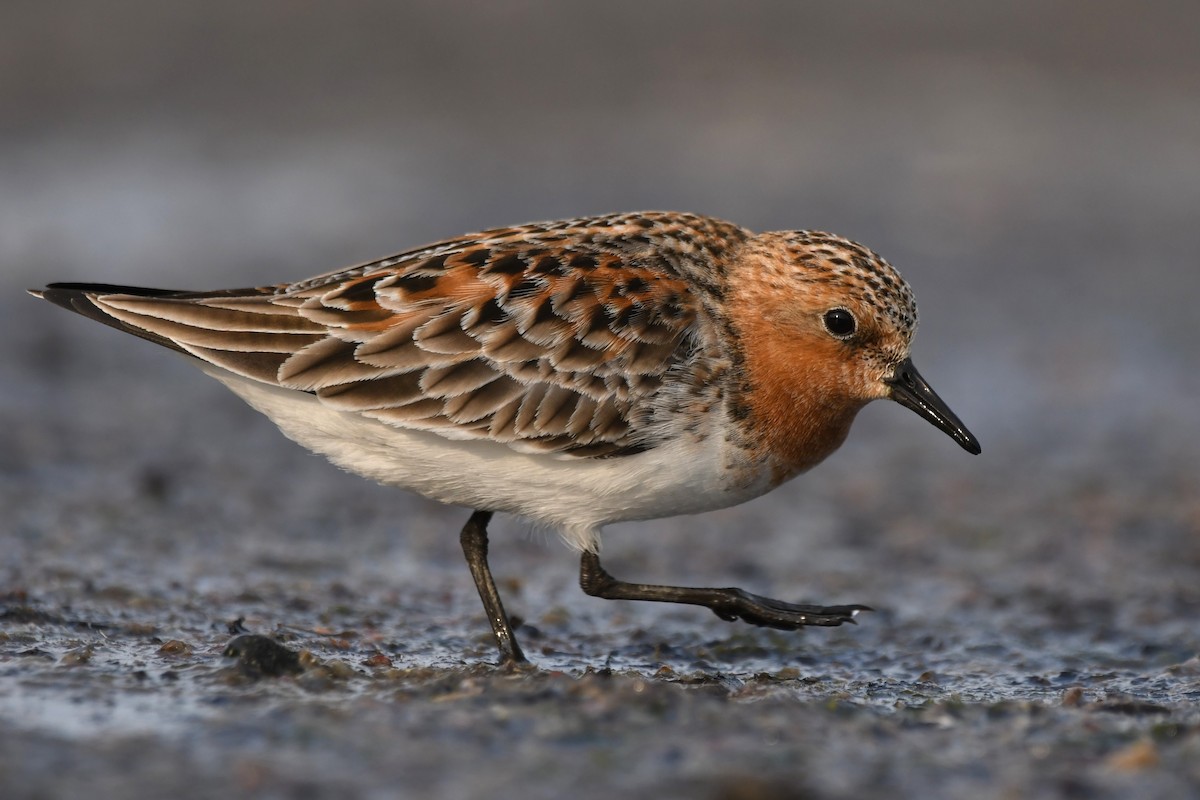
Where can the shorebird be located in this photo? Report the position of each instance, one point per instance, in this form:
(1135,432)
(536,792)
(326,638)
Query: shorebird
(576,373)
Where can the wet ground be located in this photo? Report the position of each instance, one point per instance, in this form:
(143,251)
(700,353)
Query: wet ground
(1035,632)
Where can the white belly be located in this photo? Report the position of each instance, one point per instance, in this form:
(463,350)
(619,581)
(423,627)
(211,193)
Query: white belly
(574,495)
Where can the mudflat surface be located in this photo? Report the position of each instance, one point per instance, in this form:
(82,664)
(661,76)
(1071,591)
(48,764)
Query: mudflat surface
(1035,632)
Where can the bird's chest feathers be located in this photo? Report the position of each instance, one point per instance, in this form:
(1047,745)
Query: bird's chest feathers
(799,409)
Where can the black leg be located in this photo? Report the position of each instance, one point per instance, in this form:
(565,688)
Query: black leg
(475,547)
(728,604)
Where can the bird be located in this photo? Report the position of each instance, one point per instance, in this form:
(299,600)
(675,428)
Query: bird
(575,373)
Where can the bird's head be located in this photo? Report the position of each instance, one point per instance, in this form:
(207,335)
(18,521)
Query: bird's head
(836,323)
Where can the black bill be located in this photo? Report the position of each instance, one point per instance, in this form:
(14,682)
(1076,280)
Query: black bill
(909,389)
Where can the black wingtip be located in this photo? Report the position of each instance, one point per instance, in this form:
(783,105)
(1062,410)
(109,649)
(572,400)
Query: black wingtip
(112,288)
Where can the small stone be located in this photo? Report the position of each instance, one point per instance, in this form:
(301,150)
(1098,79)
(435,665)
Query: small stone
(174,647)
(377,660)
(1136,757)
(78,656)
(259,656)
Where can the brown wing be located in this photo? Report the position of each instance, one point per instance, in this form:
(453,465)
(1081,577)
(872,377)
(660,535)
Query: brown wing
(549,337)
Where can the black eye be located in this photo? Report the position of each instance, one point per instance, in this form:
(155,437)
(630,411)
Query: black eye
(839,322)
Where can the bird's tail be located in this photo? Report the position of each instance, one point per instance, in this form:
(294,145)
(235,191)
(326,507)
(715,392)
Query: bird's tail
(81,298)
(250,331)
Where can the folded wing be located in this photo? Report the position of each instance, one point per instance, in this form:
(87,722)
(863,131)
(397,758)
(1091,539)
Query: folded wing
(549,338)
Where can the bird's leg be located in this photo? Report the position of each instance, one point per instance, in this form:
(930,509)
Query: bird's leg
(728,604)
(475,547)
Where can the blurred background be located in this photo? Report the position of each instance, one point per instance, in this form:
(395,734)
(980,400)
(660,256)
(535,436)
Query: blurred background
(1032,168)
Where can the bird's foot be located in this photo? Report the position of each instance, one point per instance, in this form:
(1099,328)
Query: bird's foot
(766,612)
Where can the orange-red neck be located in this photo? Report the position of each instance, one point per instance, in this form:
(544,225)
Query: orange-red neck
(800,409)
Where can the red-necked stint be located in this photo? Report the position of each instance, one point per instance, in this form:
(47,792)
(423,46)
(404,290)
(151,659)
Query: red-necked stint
(576,373)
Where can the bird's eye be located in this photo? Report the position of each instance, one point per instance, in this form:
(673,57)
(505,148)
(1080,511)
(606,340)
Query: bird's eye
(839,322)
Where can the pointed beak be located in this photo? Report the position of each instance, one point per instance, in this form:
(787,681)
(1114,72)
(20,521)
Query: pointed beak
(909,389)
